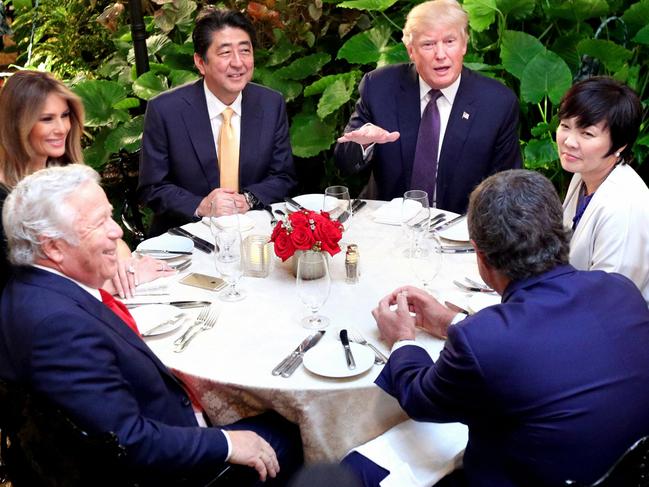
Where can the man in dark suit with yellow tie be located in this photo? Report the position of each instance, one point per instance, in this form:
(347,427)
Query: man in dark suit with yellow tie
(470,126)
(222,139)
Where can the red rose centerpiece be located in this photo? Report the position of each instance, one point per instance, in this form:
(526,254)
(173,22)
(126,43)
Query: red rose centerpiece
(306,230)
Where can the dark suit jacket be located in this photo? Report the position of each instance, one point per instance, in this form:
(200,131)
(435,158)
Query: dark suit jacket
(58,340)
(178,167)
(481,137)
(553,383)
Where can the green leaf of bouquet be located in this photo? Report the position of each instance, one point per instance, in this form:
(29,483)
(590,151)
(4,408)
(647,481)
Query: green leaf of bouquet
(517,50)
(149,85)
(517,9)
(366,47)
(371,5)
(540,153)
(642,37)
(546,75)
(575,10)
(304,67)
(180,77)
(319,86)
(482,13)
(612,55)
(127,136)
(334,96)
(310,135)
(99,99)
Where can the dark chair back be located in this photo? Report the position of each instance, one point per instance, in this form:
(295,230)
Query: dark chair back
(631,470)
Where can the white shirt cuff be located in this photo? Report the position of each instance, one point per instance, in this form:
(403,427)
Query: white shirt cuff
(227,438)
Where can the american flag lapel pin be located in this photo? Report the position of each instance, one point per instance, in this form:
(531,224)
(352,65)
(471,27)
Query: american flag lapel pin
(465,116)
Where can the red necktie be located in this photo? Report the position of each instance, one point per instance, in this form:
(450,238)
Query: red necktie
(119,309)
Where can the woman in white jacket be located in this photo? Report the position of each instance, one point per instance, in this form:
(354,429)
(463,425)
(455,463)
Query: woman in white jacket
(607,203)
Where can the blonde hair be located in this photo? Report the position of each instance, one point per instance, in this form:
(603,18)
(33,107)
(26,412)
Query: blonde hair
(22,99)
(432,13)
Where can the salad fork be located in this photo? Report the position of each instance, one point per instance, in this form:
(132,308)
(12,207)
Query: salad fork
(207,324)
(355,336)
(202,316)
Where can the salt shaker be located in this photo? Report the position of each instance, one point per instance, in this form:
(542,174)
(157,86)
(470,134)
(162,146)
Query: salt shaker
(352,264)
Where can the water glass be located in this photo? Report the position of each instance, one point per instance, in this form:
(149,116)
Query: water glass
(341,208)
(426,261)
(313,285)
(415,218)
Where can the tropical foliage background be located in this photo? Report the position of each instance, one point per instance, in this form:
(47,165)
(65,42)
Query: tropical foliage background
(316,51)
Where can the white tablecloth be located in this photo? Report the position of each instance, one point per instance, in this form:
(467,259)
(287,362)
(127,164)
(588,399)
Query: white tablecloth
(230,365)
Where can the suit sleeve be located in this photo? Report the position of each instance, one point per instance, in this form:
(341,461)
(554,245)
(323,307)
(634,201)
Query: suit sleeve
(449,390)
(349,155)
(156,186)
(74,365)
(280,178)
(507,149)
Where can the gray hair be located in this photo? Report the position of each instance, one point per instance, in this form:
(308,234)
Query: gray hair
(515,217)
(435,12)
(37,208)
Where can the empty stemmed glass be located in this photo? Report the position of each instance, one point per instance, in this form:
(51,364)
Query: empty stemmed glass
(426,260)
(415,218)
(227,254)
(341,209)
(313,285)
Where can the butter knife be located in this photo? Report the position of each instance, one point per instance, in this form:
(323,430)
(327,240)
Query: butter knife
(294,203)
(344,339)
(295,362)
(449,223)
(177,304)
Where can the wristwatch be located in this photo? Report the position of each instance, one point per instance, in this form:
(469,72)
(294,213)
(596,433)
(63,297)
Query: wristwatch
(252,201)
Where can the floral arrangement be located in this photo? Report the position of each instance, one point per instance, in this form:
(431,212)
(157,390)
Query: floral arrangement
(306,230)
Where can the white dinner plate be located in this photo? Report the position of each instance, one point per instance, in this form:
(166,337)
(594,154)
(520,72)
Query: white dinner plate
(457,233)
(479,301)
(167,242)
(328,359)
(149,316)
(230,221)
(314,202)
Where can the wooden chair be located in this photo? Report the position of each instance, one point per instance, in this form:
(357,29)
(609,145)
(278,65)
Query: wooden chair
(631,469)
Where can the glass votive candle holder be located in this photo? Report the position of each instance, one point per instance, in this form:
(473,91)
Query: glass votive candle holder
(256,256)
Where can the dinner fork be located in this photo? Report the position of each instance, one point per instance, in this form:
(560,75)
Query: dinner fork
(198,322)
(355,336)
(207,324)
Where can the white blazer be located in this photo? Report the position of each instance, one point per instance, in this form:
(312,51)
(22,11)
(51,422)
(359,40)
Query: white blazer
(613,234)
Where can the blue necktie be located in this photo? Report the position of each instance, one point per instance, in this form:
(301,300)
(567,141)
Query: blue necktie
(424,168)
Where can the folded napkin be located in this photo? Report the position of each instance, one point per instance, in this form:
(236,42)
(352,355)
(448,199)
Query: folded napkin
(156,287)
(417,454)
(231,221)
(394,212)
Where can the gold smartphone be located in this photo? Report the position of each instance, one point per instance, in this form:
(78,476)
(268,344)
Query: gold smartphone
(203,281)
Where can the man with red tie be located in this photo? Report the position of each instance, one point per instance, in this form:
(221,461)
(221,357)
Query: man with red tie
(64,338)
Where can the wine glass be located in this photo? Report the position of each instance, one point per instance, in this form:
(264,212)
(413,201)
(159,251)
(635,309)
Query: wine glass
(426,260)
(228,261)
(415,218)
(342,211)
(313,286)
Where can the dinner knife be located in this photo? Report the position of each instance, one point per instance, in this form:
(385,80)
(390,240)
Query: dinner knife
(294,203)
(357,205)
(277,370)
(344,216)
(177,304)
(171,321)
(344,339)
(199,243)
(449,223)
(457,250)
(154,251)
(295,362)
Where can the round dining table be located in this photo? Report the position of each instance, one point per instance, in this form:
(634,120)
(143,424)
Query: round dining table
(229,366)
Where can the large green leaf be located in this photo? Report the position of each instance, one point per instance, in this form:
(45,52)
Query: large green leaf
(178,56)
(99,99)
(546,75)
(290,89)
(96,155)
(334,96)
(517,9)
(319,86)
(642,37)
(127,136)
(310,135)
(395,53)
(637,14)
(149,85)
(379,5)
(576,10)
(517,50)
(482,13)
(366,47)
(304,67)
(566,47)
(539,154)
(282,50)
(180,77)
(612,55)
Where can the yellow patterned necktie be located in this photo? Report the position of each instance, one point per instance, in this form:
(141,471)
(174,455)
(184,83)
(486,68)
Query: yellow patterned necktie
(228,153)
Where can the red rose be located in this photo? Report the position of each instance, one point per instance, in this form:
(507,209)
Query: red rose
(329,233)
(302,237)
(299,218)
(284,247)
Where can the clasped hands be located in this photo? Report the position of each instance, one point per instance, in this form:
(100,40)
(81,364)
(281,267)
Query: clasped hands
(223,202)
(415,308)
(369,134)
